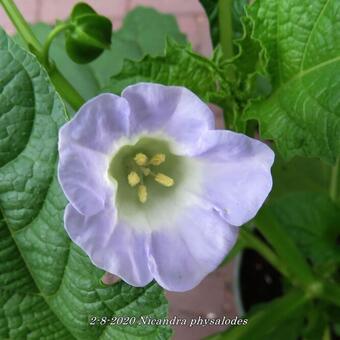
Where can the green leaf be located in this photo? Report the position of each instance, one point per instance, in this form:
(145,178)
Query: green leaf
(48,286)
(299,174)
(331,292)
(239,10)
(281,332)
(23,313)
(265,321)
(311,220)
(303,43)
(248,71)
(144,32)
(316,322)
(180,66)
(285,248)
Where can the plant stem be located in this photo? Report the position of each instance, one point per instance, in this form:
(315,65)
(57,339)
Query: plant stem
(326,334)
(255,243)
(226,27)
(56,30)
(67,91)
(333,187)
(21,25)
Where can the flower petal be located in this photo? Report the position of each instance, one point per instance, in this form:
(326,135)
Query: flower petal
(173,110)
(111,246)
(82,175)
(238,177)
(180,258)
(98,123)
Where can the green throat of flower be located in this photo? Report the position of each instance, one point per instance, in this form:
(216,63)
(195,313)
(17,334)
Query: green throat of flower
(145,172)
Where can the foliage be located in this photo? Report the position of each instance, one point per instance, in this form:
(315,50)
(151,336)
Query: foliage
(283,77)
(45,280)
(144,32)
(302,41)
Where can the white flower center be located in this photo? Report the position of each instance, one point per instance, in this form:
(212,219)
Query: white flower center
(153,184)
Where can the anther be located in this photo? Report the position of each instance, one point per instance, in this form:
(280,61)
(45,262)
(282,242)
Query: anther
(157,159)
(142,193)
(164,180)
(133,178)
(141,159)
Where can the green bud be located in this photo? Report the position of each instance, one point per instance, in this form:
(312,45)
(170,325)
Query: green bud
(88,34)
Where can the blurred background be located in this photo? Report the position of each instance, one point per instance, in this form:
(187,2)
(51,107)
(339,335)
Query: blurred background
(189,14)
(214,297)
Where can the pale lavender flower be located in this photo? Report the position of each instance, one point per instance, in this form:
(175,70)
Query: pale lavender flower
(155,192)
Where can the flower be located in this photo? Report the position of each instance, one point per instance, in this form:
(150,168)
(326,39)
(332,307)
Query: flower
(155,192)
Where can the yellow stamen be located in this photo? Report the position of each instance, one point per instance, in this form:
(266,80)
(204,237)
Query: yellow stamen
(133,178)
(141,159)
(164,180)
(142,193)
(157,159)
(146,171)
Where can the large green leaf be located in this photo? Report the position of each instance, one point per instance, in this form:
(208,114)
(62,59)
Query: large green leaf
(48,286)
(247,69)
(263,323)
(299,174)
(24,313)
(180,66)
(288,252)
(303,42)
(144,31)
(312,221)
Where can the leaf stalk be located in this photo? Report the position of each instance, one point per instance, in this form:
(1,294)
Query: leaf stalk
(62,85)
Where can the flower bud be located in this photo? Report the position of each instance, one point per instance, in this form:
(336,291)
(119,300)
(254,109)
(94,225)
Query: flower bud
(88,34)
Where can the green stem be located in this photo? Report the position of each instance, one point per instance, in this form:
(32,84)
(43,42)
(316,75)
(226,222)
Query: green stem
(255,243)
(326,334)
(21,25)
(56,30)
(333,187)
(67,91)
(226,27)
